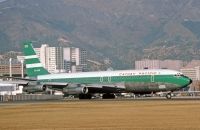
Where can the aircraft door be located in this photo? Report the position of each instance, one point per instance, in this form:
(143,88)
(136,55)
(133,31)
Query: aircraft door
(105,79)
(101,79)
(152,78)
(109,79)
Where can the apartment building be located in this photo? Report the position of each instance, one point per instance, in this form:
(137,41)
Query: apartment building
(59,59)
(159,64)
(192,70)
(75,59)
(51,58)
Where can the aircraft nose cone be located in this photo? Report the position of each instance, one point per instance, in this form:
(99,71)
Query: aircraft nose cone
(190,81)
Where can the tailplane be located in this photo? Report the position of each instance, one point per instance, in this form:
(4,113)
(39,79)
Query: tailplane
(33,65)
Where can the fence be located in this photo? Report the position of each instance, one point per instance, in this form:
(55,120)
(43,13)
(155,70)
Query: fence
(30,97)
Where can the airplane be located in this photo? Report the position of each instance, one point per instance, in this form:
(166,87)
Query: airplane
(85,84)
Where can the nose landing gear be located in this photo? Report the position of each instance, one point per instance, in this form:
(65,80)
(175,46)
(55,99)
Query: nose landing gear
(169,96)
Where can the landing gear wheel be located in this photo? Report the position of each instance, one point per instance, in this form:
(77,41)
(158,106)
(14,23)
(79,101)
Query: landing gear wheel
(85,96)
(169,96)
(108,96)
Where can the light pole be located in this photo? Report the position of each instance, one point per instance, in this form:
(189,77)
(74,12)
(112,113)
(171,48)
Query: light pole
(22,68)
(10,63)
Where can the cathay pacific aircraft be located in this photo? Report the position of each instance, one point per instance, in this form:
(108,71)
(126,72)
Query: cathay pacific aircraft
(85,84)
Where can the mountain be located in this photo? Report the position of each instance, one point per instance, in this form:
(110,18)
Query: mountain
(121,30)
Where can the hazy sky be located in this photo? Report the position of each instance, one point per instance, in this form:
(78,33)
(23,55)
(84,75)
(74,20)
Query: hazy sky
(2,1)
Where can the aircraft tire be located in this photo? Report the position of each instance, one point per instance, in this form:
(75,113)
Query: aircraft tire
(169,96)
(108,96)
(85,96)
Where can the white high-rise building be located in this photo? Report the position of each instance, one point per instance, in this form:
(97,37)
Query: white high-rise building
(159,64)
(67,54)
(75,59)
(147,64)
(51,58)
(58,59)
(192,70)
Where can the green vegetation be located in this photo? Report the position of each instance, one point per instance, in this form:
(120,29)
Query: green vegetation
(193,26)
(119,30)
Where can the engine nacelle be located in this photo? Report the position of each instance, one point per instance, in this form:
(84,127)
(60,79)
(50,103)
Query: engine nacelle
(35,88)
(75,89)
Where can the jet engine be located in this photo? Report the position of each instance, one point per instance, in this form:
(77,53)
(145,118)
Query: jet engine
(34,88)
(75,89)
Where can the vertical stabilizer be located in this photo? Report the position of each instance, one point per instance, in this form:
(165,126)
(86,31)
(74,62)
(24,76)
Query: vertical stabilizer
(33,65)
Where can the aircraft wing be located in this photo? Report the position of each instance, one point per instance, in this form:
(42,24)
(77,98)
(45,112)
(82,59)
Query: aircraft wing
(55,85)
(93,88)
(18,78)
(36,86)
(73,88)
(24,83)
(33,84)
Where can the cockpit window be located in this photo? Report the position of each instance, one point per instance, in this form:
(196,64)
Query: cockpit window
(178,75)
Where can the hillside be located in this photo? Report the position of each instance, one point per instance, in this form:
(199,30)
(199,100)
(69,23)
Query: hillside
(120,30)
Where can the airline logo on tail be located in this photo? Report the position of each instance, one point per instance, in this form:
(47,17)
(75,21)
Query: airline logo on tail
(33,65)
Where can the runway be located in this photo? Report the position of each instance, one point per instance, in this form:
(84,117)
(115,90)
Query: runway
(183,98)
(99,114)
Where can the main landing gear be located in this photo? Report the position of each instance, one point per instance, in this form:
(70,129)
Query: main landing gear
(108,96)
(85,96)
(89,96)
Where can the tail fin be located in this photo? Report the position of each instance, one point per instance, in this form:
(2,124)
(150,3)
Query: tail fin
(33,65)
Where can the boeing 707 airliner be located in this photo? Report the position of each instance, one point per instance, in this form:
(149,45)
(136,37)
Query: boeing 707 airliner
(85,84)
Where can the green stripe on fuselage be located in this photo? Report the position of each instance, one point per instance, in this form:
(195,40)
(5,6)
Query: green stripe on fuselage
(181,81)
